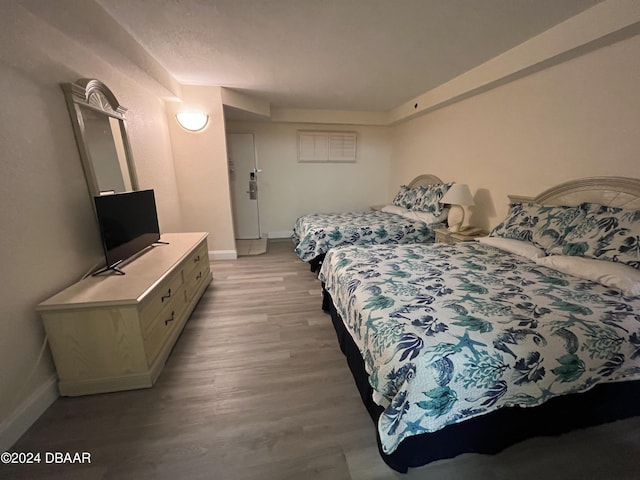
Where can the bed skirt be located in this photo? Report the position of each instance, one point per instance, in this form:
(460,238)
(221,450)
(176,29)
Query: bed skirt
(495,431)
(316,263)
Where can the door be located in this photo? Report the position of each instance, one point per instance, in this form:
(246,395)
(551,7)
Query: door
(243,181)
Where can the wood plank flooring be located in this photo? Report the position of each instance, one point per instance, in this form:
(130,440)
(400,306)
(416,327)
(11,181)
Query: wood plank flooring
(257,388)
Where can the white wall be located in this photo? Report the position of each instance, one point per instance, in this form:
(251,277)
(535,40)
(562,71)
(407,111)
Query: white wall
(201,169)
(576,119)
(289,189)
(49,234)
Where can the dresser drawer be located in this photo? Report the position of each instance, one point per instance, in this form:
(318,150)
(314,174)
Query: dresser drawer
(193,280)
(164,323)
(199,257)
(196,270)
(159,300)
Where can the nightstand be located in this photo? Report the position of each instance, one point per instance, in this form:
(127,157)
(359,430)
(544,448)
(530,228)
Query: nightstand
(443,235)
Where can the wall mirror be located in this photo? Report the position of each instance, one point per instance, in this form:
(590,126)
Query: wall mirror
(99,126)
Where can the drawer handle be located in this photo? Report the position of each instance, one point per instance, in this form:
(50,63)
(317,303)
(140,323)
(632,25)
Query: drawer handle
(164,297)
(169,320)
(199,276)
(197,259)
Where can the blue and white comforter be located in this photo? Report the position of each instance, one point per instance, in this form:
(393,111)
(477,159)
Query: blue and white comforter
(317,233)
(450,332)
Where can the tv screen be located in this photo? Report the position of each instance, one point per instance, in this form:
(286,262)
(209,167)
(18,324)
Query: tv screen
(128,224)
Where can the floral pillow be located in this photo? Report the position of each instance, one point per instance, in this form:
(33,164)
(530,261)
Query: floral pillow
(425,198)
(407,197)
(402,198)
(543,225)
(428,198)
(606,233)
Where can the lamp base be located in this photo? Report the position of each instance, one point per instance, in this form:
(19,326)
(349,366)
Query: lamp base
(455,218)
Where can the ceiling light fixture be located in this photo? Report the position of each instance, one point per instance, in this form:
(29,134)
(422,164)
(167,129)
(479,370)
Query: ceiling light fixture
(192,121)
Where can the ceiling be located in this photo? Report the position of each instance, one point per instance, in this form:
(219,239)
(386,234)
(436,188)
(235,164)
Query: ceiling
(363,55)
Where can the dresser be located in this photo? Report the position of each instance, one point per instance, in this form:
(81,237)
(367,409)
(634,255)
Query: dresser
(115,332)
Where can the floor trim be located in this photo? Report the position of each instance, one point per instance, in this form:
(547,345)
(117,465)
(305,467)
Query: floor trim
(255,246)
(284,234)
(27,413)
(222,255)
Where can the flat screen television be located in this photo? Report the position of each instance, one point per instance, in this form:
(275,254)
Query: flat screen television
(128,224)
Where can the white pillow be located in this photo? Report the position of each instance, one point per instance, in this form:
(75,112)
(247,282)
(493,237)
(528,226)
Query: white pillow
(610,274)
(420,216)
(394,209)
(519,247)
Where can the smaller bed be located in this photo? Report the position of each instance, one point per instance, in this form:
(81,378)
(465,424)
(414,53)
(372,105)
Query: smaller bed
(411,218)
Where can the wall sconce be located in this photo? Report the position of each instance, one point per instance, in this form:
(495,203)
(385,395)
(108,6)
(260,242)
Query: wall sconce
(457,196)
(192,121)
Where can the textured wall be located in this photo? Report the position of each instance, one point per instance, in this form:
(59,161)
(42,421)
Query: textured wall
(49,234)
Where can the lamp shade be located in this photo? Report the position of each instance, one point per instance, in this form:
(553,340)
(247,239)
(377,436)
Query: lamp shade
(192,121)
(458,194)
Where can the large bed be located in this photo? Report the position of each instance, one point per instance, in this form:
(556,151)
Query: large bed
(411,218)
(471,347)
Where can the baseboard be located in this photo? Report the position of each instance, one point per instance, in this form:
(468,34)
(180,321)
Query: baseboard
(223,254)
(27,413)
(284,234)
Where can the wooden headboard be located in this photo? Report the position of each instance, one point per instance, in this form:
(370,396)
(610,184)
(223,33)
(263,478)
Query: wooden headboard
(611,191)
(425,179)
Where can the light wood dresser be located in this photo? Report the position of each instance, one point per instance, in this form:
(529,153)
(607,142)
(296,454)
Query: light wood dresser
(115,332)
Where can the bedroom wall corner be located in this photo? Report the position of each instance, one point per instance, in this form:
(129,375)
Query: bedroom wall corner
(201,169)
(289,189)
(575,119)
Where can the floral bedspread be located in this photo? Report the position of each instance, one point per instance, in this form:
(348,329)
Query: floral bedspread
(317,233)
(450,332)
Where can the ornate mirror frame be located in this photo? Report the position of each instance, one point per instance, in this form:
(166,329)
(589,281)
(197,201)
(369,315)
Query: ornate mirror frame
(99,126)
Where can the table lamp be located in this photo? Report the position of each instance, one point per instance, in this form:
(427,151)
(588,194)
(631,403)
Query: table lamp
(457,196)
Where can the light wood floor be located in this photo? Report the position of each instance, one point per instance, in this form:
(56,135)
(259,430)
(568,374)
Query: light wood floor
(256,246)
(257,388)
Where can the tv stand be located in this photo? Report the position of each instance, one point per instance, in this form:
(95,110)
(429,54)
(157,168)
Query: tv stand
(111,332)
(113,268)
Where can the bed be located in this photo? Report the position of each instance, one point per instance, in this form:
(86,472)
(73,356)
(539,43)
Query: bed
(411,218)
(472,347)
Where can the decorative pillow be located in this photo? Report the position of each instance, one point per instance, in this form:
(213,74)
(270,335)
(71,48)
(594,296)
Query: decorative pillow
(393,209)
(425,198)
(607,233)
(519,247)
(543,225)
(611,274)
(401,199)
(428,198)
(410,197)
